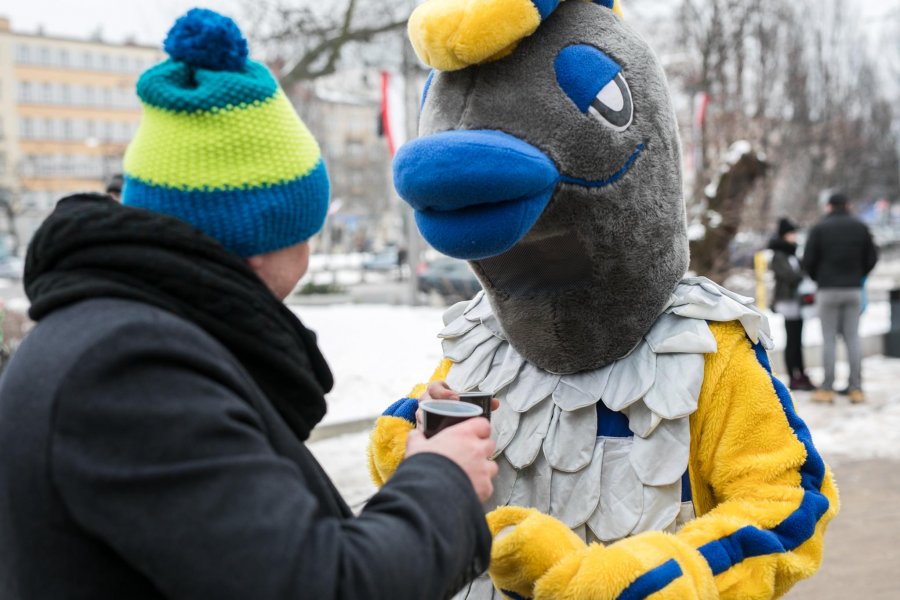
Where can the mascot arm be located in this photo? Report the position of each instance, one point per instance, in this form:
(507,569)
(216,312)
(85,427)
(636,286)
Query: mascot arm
(762,491)
(387,442)
(449,35)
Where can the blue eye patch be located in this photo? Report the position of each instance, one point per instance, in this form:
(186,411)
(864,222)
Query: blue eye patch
(582,71)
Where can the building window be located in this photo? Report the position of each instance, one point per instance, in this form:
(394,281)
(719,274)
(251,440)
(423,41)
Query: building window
(123,64)
(78,129)
(65,93)
(124,131)
(45,93)
(104,62)
(23,53)
(28,165)
(87,60)
(68,132)
(106,94)
(62,58)
(26,91)
(89,97)
(44,55)
(26,128)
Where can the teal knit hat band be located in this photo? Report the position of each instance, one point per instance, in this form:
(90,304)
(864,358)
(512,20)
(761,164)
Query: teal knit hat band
(220,145)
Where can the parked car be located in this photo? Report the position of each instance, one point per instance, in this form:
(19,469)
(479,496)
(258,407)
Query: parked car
(450,278)
(386,260)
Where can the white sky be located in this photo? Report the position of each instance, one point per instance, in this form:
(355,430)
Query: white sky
(148,20)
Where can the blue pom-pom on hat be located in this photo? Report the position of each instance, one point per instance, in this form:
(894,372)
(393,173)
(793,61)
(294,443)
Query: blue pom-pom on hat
(205,39)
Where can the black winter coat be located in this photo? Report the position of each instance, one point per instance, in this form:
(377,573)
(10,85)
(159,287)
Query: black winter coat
(139,460)
(787,279)
(839,252)
(151,438)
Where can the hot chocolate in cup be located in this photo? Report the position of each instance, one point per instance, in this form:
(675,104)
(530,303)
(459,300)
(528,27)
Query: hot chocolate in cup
(440,414)
(482,399)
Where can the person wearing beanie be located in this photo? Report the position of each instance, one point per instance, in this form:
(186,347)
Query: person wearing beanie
(787,301)
(153,423)
(839,255)
(114,187)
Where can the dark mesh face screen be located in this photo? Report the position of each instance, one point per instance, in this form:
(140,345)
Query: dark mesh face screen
(549,265)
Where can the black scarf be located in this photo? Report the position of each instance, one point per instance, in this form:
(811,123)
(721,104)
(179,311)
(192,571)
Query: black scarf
(92,247)
(782,245)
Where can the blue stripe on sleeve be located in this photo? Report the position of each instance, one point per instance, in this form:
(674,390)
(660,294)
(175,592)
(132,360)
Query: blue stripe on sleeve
(800,525)
(652,581)
(747,542)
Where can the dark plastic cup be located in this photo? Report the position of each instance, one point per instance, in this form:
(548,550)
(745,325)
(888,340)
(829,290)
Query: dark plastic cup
(481,399)
(440,414)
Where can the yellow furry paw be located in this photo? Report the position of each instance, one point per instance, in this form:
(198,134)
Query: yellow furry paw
(452,34)
(527,543)
(387,447)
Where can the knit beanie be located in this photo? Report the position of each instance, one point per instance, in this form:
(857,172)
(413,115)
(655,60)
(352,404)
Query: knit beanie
(785,226)
(220,145)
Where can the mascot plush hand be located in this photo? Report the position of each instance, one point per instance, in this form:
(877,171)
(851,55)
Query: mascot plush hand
(644,446)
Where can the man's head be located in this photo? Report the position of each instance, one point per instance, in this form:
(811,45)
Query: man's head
(221,147)
(114,187)
(787,230)
(837,203)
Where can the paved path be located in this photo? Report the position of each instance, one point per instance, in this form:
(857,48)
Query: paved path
(862,546)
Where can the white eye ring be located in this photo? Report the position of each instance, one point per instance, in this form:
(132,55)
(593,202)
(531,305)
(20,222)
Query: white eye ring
(612,106)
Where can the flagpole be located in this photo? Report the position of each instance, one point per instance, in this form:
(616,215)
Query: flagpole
(414,242)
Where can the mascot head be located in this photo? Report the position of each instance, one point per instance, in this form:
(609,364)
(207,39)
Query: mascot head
(555,171)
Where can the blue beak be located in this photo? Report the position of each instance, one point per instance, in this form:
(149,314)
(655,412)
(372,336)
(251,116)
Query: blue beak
(475,193)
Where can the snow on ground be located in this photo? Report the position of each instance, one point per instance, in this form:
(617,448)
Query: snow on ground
(876,320)
(841,432)
(344,459)
(377,353)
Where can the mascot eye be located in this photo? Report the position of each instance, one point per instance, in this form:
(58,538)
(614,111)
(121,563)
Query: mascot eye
(612,106)
(593,81)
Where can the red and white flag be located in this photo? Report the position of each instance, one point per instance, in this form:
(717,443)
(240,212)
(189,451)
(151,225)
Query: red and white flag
(393,109)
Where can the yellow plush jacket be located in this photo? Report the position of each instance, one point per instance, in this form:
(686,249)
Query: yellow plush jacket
(762,494)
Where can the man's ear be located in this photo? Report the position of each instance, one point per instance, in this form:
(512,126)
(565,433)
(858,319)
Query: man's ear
(255,262)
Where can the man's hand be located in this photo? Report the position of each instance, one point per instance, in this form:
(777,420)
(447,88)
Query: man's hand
(469,445)
(439,390)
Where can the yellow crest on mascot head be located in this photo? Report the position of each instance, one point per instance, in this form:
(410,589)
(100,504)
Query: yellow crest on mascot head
(449,35)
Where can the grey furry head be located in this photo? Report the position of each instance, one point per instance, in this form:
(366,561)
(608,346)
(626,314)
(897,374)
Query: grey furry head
(568,208)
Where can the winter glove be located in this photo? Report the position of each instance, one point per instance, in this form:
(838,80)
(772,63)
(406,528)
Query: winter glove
(527,543)
(387,442)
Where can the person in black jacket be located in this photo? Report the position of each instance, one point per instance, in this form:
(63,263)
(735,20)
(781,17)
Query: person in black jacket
(839,254)
(787,301)
(153,424)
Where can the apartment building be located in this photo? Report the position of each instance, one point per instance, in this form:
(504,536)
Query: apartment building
(343,113)
(67,111)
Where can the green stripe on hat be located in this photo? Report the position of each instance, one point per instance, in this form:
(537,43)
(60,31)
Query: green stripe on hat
(250,145)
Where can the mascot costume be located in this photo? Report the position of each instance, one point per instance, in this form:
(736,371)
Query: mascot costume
(645,449)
